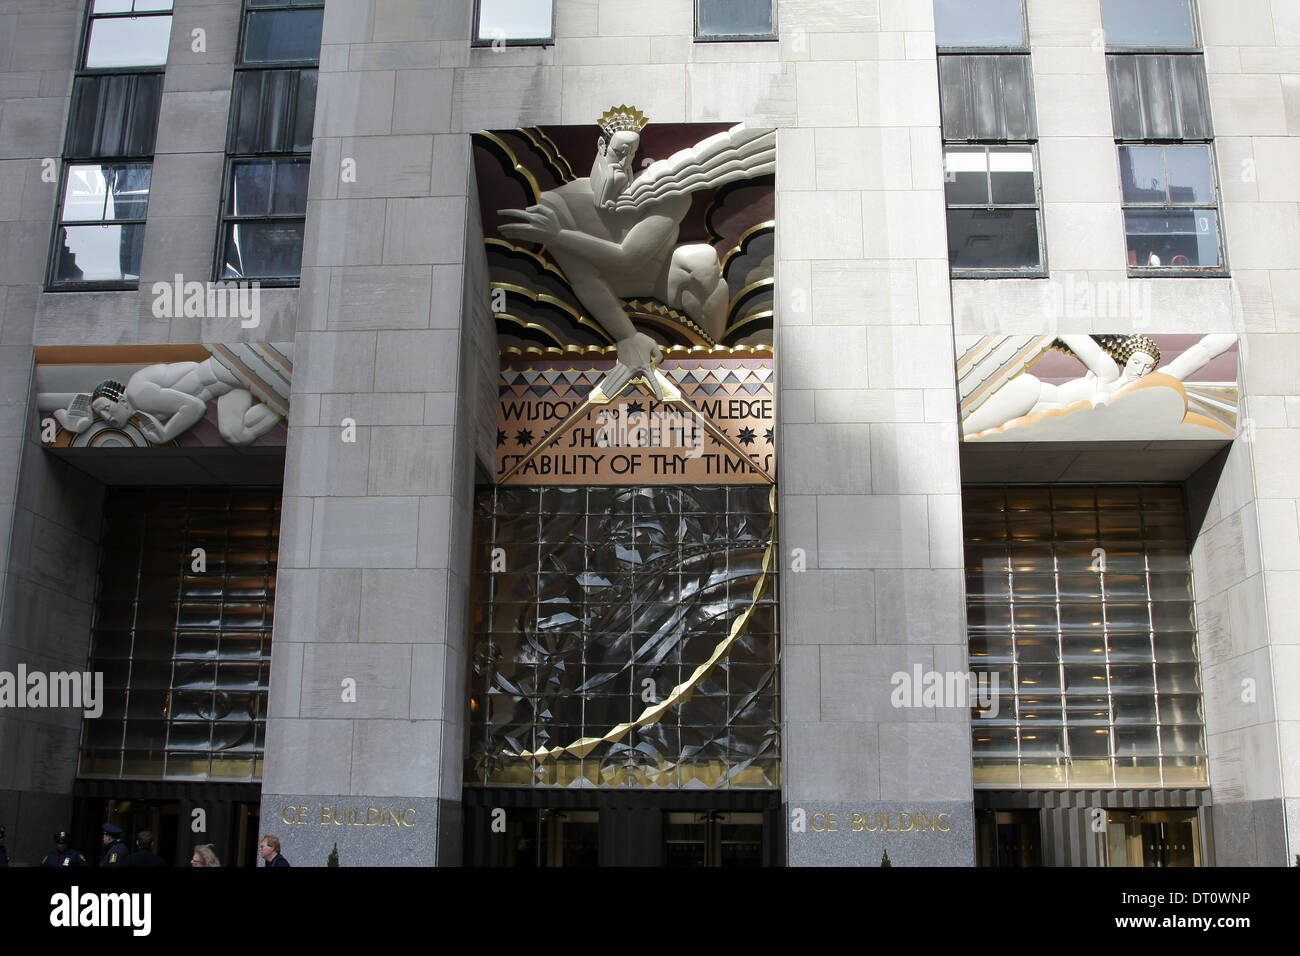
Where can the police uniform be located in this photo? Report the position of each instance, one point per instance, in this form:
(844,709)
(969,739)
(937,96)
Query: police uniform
(65,857)
(115,854)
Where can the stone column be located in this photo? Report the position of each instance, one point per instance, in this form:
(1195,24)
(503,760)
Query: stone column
(869,482)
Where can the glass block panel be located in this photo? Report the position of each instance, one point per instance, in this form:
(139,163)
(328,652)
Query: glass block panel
(636,591)
(1107,665)
(184,685)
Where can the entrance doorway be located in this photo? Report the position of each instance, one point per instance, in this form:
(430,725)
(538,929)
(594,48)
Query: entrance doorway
(1152,838)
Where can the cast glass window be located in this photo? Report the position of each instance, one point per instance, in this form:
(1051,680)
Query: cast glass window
(266,207)
(735,19)
(185,654)
(514,22)
(127,33)
(979,24)
(100,236)
(1161,24)
(610,602)
(1079,604)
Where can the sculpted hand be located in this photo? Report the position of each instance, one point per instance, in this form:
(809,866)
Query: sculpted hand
(637,355)
(540,224)
(150,427)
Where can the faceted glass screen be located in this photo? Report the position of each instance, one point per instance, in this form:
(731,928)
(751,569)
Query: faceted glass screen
(1079,604)
(624,637)
(182,634)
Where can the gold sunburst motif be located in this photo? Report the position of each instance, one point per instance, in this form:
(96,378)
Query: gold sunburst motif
(622,118)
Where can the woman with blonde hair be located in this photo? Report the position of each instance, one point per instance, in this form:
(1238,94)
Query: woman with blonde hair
(204,856)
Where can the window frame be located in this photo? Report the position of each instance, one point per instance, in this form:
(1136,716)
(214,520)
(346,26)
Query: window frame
(1139,271)
(52,282)
(477,42)
(1040,271)
(87,24)
(245,15)
(1169,271)
(227,217)
(67,160)
(735,37)
(1023,47)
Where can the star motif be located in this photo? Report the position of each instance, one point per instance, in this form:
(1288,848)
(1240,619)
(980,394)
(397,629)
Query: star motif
(747,436)
(501,438)
(524,437)
(635,408)
(770,436)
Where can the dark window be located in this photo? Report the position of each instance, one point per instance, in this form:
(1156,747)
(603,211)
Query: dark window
(127,33)
(979,24)
(514,22)
(114,114)
(100,234)
(282,32)
(994,213)
(735,19)
(271,111)
(1158,96)
(987,98)
(995,218)
(266,206)
(1171,216)
(269,142)
(1150,24)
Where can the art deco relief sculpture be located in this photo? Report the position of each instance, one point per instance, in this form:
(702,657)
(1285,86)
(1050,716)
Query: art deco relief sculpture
(1115,364)
(615,235)
(167,399)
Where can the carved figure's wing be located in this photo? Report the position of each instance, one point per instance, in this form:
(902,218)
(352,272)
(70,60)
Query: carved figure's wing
(739,153)
(264,368)
(986,362)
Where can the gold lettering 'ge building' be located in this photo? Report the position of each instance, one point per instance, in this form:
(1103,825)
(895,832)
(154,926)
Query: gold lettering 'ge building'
(751,434)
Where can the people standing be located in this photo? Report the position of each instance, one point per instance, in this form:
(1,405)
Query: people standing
(63,854)
(144,855)
(114,852)
(204,855)
(4,851)
(270,850)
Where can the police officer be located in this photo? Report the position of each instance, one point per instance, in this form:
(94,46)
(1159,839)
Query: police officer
(63,854)
(114,849)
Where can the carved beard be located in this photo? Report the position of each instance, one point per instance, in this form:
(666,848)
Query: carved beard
(609,179)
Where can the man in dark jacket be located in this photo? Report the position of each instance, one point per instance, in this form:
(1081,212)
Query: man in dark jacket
(63,854)
(114,853)
(4,851)
(144,855)
(270,850)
